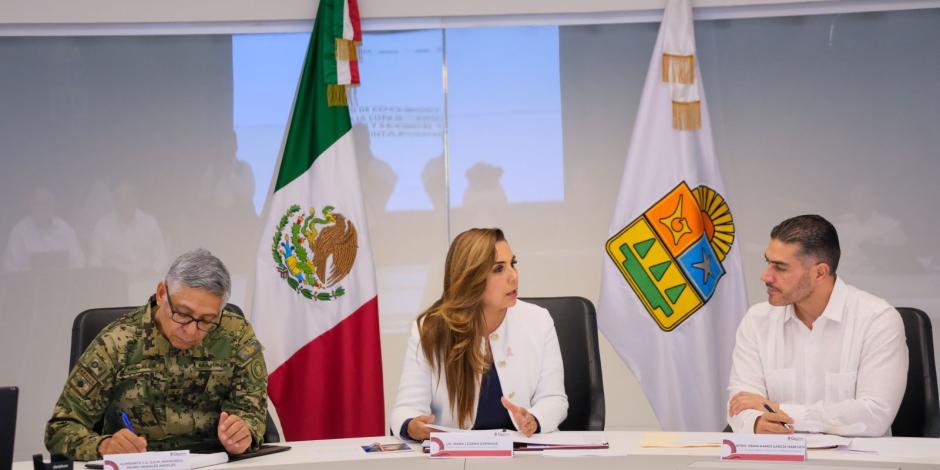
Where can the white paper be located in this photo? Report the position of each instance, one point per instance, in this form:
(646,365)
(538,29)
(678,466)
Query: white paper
(168,460)
(679,440)
(562,438)
(786,447)
(440,428)
(583,453)
(826,441)
(470,444)
(205,460)
(551,438)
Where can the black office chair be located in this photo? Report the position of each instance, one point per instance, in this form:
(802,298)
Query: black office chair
(86,327)
(576,325)
(919,415)
(88,323)
(8,400)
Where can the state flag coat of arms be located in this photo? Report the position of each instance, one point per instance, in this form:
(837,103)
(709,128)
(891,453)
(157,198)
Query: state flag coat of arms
(672,290)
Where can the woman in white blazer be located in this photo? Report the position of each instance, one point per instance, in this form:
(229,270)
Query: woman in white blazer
(478,358)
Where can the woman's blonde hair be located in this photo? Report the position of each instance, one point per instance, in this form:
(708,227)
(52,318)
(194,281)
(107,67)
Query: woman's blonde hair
(452,328)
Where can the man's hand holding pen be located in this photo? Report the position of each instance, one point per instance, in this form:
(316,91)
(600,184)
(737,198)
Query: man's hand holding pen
(773,421)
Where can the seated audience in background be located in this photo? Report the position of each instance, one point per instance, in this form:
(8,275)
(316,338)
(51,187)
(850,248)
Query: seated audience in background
(478,357)
(186,373)
(42,240)
(821,354)
(128,239)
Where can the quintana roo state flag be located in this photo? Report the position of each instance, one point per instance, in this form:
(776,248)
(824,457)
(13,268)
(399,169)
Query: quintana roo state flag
(672,291)
(315,308)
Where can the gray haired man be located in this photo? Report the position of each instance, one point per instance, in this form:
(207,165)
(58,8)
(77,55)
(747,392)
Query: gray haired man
(180,372)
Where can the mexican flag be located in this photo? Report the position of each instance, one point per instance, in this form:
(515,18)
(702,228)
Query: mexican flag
(314,306)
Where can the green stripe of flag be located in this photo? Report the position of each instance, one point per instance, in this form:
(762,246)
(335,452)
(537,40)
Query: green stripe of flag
(314,126)
(338,15)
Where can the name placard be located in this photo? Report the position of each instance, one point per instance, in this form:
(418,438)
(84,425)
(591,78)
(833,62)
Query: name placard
(169,460)
(790,448)
(466,444)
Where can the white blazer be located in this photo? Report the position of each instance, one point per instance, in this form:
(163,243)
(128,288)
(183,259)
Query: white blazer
(528,363)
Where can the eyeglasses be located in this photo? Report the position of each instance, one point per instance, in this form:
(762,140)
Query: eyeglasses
(185,318)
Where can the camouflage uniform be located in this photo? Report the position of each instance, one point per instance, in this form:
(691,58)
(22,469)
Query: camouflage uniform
(172,397)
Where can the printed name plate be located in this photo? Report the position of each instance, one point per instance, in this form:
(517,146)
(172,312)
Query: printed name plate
(791,448)
(465,444)
(169,460)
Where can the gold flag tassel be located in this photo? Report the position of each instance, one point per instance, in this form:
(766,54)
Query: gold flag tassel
(346,50)
(336,95)
(678,68)
(687,116)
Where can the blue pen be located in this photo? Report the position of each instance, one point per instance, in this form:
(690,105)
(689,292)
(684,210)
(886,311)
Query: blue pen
(127,422)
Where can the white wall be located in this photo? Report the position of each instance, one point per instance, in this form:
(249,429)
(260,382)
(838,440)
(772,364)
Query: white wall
(117,17)
(111,11)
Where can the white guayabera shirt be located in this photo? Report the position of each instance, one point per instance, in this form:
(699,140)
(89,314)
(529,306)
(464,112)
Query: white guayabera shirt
(846,376)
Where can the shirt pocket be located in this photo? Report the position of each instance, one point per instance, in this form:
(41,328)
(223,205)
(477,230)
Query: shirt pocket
(840,386)
(141,392)
(140,382)
(781,385)
(218,381)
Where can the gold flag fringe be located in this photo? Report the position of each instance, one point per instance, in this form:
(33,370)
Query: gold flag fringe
(687,116)
(346,49)
(336,95)
(678,68)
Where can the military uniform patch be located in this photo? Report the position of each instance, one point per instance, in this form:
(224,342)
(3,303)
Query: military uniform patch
(248,350)
(84,381)
(257,369)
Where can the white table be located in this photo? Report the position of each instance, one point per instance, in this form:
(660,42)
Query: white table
(899,452)
(625,453)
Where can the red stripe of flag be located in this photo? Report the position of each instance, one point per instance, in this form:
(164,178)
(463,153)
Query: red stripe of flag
(354,72)
(332,387)
(354,18)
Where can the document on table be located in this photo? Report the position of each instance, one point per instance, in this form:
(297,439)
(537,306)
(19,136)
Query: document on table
(440,428)
(557,439)
(584,453)
(195,460)
(677,440)
(826,441)
(586,439)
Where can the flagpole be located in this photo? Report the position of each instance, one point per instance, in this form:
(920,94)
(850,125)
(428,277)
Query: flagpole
(444,133)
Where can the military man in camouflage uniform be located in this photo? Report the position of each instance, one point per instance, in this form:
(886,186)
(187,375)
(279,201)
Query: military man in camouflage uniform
(186,373)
